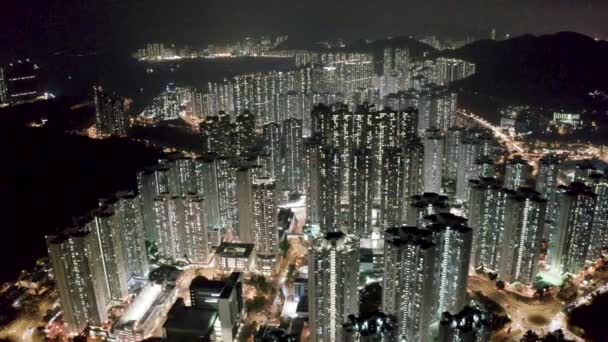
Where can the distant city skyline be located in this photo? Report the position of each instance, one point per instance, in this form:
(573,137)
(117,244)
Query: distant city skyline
(43,26)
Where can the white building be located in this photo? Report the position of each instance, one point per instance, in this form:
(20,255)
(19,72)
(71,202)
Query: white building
(265,225)
(454,240)
(523,233)
(409,292)
(433,161)
(333,274)
(570,250)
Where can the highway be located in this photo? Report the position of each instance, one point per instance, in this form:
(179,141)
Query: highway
(576,151)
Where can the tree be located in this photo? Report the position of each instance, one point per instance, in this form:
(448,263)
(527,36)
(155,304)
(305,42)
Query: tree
(530,336)
(257,303)
(556,336)
(292,274)
(262,285)
(284,247)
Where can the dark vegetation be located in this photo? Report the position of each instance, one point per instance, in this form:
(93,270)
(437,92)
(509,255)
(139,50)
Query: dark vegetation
(49,176)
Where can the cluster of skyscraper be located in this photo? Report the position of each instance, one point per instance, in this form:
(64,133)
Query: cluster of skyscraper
(513,219)
(370,172)
(94,260)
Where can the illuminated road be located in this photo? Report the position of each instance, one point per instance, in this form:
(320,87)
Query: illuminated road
(543,316)
(509,142)
(575,151)
(24,327)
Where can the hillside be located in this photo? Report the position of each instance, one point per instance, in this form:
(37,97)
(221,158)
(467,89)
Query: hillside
(558,69)
(50,176)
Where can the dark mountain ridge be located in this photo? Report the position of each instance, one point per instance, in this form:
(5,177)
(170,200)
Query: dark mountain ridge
(550,70)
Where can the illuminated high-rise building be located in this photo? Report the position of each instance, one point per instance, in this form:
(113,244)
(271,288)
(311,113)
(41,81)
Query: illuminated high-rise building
(452,69)
(453,239)
(523,232)
(332,284)
(570,249)
(413,171)
(78,276)
(443,109)
(244,228)
(245,132)
(105,231)
(182,228)
(291,106)
(401,60)
(402,100)
(329,204)
(265,232)
(468,152)
(453,138)
(128,210)
(391,187)
(22,81)
(110,113)
(226,184)
(206,177)
(194,242)
(388,65)
(546,185)
(599,230)
(433,161)
(408,124)
(202,103)
(428,203)
(484,167)
(3,89)
(312,172)
(517,173)
(473,146)
(215,133)
(409,292)
(360,212)
(424,109)
(273,167)
(293,154)
(486,215)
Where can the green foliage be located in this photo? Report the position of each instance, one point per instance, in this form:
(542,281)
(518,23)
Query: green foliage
(292,274)
(261,284)
(257,303)
(284,247)
(530,336)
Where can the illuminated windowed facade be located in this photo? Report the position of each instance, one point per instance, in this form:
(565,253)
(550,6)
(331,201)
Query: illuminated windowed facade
(570,250)
(433,161)
(486,215)
(408,287)
(265,226)
(523,232)
(332,284)
(77,273)
(454,240)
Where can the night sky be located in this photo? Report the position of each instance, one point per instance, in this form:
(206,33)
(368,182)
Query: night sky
(42,26)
